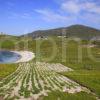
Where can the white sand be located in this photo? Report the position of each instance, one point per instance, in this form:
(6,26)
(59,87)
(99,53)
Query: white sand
(25,56)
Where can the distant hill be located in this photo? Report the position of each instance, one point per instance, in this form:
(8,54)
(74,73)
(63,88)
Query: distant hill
(2,36)
(7,37)
(80,31)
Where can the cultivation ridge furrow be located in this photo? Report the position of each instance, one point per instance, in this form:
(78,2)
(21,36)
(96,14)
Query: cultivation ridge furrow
(33,80)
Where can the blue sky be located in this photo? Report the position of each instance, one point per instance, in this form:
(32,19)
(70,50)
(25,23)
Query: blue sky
(22,16)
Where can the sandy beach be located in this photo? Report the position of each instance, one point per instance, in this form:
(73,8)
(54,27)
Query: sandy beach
(25,56)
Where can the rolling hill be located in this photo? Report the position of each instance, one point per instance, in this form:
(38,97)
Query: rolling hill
(81,31)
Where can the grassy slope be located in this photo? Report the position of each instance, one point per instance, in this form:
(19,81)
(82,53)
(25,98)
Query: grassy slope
(90,79)
(6,69)
(7,43)
(86,72)
(84,32)
(63,96)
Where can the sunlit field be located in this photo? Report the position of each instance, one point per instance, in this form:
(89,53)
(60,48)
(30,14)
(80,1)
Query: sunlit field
(61,77)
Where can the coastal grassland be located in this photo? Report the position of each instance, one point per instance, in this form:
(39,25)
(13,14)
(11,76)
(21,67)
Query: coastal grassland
(56,95)
(8,43)
(7,69)
(86,72)
(87,78)
(36,80)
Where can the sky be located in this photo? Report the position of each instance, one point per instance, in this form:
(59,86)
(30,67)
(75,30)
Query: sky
(23,16)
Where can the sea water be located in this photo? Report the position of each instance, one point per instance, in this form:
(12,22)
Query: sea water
(8,57)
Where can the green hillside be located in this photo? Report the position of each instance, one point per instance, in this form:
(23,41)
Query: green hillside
(86,72)
(81,31)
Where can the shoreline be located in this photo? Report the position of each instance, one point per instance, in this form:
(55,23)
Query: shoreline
(25,56)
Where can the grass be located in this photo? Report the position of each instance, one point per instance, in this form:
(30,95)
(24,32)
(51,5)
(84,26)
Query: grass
(90,79)
(27,80)
(86,72)
(56,95)
(7,69)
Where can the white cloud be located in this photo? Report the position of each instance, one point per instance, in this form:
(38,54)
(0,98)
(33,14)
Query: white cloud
(72,11)
(92,7)
(95,19)
(26,15)
(70,6)
(14,15)
(51,16)
(75,7)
